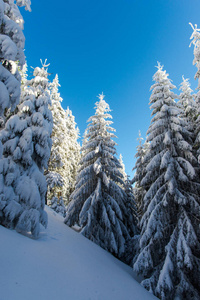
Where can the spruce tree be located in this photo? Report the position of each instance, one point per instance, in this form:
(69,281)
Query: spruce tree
(140,167)
(98,202)
(26,149)
(186,101)
(188,109)
(12,53)
(122,169)
(73,155)
(168,255)
(54,175)
(195,37)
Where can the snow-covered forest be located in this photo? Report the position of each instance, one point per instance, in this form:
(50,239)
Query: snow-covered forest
(150,222)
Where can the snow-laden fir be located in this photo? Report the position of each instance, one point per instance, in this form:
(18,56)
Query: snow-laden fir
(140,172)
(98,204)
(168,255)
(11,54)
(65,151)
(26,150)
(195,37)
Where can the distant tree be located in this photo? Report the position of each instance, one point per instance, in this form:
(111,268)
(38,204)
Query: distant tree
(98,202)
(131,245)
(122,169)
(26,150)
(168,255)
(140,167)
(57,204)
(186,101)
(73,155)
(188,110)
(54,174)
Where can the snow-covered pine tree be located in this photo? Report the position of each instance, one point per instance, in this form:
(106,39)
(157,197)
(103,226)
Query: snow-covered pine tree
(73,155)
(169,257)
(11,53)
(188,108)
(186,100)
(55,175)
(140,167)
(26,150)
(131,245)
(97,204)
(122,169)
(131,218)
(195,37)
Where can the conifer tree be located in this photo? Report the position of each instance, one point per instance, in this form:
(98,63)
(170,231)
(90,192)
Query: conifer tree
(97,204)
(186,101)
(188,109)
(11,48)
(122,168)
(73,155)
(26,149)
(54,175)
(131,218)
(195,37)
(140,167)
(168,255)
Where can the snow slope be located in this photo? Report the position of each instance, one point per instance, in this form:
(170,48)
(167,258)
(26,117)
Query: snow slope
(62,265)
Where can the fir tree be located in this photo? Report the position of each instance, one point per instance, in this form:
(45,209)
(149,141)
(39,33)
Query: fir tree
(168,248)
(97,204)
(188,109)
(195,37)
(122,169)
(55,175)
(73,155)
(131,218)
(12,46)
(26,149)
(140,167)
(186,100)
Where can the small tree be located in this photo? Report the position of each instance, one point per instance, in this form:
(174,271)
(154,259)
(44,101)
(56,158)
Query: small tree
(73,156)
(55,175)
(122,169)
(140,167)
(97,204)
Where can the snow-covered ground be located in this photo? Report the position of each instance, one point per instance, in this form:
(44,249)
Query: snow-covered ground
(62,265)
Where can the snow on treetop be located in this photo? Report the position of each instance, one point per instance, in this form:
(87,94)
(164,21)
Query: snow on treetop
(26,3)
(195,37)
(101,96)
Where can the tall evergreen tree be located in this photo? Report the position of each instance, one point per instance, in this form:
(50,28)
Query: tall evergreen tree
(97,204)
(11,49)
(168,249)
(195,37)
(26,149)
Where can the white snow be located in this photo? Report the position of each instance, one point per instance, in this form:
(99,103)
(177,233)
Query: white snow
(62,264)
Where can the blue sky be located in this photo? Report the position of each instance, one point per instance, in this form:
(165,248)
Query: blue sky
(112,46)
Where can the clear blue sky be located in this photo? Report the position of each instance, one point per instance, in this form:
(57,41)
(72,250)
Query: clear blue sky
(112,46)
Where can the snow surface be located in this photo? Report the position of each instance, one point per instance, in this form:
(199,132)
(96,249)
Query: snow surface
(62,264)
